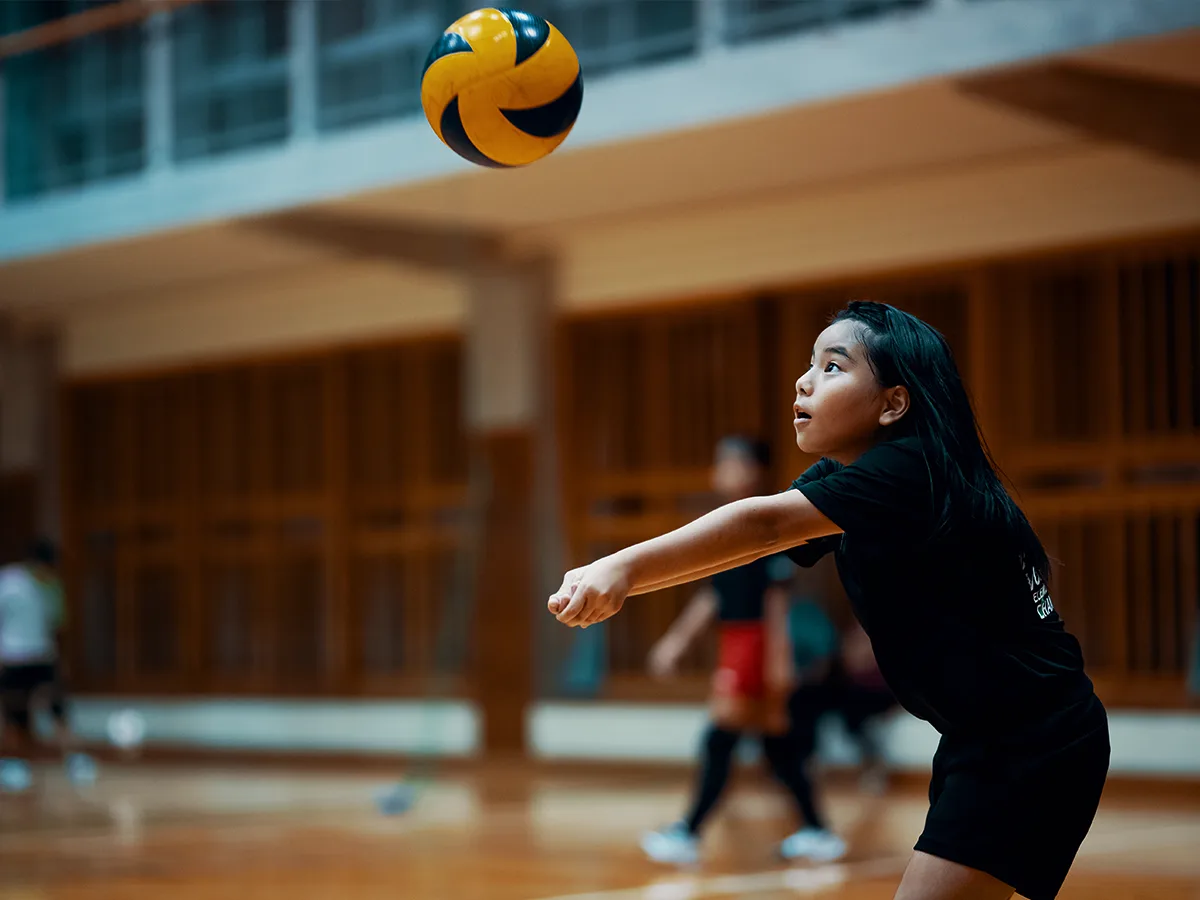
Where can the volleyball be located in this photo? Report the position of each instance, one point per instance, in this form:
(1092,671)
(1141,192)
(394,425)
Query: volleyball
(502,88)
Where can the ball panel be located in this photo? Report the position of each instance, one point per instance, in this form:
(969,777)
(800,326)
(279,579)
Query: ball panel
(488,128)
(539,80)
(444,80)
(553,118)
(492,38)
(449,42)
(530,31)
(456,138)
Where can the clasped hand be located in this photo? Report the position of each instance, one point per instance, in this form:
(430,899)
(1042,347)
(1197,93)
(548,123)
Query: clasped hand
(590,594)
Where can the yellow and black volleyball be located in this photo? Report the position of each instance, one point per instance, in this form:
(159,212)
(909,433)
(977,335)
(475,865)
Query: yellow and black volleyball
(502,87)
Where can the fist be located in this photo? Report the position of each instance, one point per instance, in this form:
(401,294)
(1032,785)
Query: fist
(591,594)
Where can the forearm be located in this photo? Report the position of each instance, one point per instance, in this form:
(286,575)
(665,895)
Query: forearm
(695,576)
(723,539)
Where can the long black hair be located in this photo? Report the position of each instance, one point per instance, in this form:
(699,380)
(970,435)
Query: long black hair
(903,350)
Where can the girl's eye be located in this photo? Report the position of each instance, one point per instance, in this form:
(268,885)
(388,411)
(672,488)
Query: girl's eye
(831,367)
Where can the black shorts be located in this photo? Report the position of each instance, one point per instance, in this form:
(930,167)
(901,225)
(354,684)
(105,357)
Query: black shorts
(19,684)
(1019,808)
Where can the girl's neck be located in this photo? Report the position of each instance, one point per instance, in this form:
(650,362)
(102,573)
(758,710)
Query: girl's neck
(850,454)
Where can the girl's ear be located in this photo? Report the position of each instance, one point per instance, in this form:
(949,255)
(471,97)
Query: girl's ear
(896,402)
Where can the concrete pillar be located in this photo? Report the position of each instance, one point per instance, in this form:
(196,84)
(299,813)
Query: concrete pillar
(509,409)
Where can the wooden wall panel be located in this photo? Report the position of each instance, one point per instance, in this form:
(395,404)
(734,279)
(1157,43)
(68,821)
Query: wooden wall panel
(1102,440)
(18,525)
(647,396)
(220,521)
(1086,373)
(297,526)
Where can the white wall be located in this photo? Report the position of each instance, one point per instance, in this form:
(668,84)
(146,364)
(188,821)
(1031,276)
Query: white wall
(415,728)
(1144,743)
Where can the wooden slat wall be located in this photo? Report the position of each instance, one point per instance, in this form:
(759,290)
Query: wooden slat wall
(646,399)
(291,526)
(1085,370)
(1110,469)
(280,527)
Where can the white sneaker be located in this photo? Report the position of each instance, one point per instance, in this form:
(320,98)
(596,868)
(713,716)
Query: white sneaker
(672,844)
(813,844)
(15,776)
(81,769)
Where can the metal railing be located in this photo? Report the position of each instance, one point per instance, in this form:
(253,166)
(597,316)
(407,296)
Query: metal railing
(85,111)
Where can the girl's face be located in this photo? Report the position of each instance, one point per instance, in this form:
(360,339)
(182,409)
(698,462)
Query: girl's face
(840,406)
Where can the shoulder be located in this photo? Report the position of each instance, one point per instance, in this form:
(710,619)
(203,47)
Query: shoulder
(899,454)
(818,470)
(899,463)
(889,488)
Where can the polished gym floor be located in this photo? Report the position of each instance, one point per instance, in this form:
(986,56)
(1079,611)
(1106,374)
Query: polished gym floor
(236,832)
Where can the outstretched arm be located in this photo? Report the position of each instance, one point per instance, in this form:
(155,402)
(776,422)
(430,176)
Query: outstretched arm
(691,576)
(724,538)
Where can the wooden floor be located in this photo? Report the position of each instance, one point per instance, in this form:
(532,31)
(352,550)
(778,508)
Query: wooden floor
(170,832)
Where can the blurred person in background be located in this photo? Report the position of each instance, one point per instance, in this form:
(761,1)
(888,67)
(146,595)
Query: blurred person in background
(862,699)
(814,641)
(32,614)
(754,676)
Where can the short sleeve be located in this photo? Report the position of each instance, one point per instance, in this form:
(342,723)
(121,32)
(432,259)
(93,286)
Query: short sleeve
(887,491)
(810,553)
(817,471)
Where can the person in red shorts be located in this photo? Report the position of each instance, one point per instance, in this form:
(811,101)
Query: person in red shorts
(862,699)
(752,681)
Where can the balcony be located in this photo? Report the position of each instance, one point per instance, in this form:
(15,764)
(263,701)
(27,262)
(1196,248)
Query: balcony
(221,109)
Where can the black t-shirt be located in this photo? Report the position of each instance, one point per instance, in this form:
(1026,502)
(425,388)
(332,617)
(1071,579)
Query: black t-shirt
(741,591)
(965,639)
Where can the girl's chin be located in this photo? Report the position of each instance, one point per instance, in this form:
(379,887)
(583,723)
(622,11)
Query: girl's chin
(810,447)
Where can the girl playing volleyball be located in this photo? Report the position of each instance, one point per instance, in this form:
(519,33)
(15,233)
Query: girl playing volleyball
(949,581)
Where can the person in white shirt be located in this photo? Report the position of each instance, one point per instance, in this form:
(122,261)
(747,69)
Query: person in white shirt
(31,615)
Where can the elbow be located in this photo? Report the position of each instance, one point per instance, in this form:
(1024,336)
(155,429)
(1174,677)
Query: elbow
(770,528)
(784,521)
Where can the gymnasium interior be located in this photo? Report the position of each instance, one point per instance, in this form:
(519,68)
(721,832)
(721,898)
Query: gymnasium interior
(318,414)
